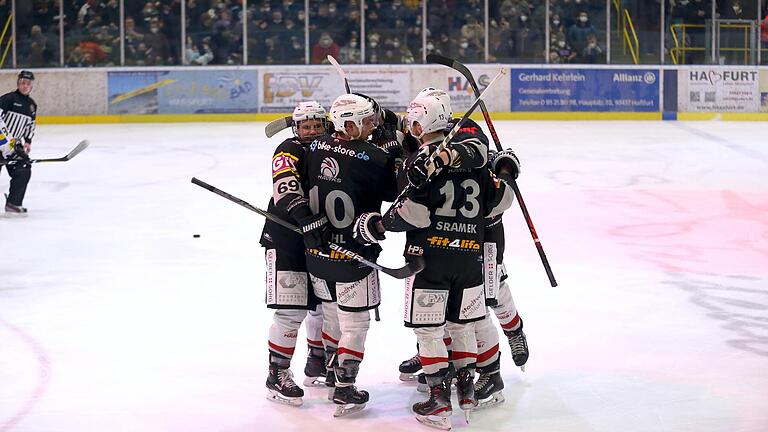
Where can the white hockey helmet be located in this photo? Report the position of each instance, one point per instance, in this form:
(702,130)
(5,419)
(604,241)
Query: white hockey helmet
(309,110)
(430,112)
(438,93)
(351,107)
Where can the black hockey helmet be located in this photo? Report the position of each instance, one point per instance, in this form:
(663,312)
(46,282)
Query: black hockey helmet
(25,74)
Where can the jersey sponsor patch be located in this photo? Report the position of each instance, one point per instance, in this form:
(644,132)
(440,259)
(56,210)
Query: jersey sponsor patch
(283,162)
(453,243)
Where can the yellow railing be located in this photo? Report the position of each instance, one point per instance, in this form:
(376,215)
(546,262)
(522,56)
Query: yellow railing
(678,53)
(2,38)
(634,49)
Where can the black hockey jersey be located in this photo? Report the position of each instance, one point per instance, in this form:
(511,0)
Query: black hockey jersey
(446,220)
(287,192)
(344,179)
(19,113)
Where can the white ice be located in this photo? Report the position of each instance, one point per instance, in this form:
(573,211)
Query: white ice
(114,318)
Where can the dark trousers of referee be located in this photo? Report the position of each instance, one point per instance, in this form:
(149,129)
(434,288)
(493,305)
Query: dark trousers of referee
(20,174)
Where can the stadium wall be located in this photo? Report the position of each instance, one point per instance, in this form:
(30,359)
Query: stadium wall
(532,92)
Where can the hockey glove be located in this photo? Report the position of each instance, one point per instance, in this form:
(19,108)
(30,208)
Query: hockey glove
(368,229)
(317,232)
(420,170)
(14,150)
(506,161)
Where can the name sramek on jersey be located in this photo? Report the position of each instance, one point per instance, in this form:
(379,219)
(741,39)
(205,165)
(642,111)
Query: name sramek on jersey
(459,227)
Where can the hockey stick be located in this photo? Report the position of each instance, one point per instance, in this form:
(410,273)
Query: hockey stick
(408,270)
(462,69)
(276,126)
(340,71)
(75,151)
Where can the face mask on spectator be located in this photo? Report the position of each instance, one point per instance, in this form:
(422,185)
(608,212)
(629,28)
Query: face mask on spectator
(374,44)
(523,18)
(430,46)
(154,30)
(561,44)
(736,8)
(556,22)
(331,11)
(583,18)
(464,45)
(684,2)
(396,44)
(301,16)
(325,42)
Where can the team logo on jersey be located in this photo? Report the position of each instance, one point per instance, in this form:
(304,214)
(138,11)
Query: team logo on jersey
(329,170)
(283,162)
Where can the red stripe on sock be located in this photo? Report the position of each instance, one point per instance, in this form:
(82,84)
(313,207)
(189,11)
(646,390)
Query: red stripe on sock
(485,356)
(281,350)
(315,343)
(328,338)
(427,361)
(343,350)
(511,324)
(456,355)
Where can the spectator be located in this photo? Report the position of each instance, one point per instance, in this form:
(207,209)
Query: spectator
(577,34)
(158,43)
(350,53)
(468,53)
(593,52)
(39,53)
(324,47)
(473,32)
(565,53)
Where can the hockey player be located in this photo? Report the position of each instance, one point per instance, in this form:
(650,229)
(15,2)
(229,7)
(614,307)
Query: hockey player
(18,112)
(499,298)
(288,285)
(444,220)
(345,177)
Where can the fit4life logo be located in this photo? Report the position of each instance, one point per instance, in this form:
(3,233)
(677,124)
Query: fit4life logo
(449,243)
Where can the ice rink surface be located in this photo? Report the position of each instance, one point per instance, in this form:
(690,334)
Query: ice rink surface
(114,318)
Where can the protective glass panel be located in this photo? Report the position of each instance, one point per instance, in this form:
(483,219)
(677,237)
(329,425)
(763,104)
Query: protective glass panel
(333,25)
(276,32)
(635,31)
(393,31)
(688,32)
(91,33)
(517,31)
(37,34)
(456,29)
(214,32)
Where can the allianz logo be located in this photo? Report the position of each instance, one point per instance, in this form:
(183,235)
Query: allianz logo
(647,77)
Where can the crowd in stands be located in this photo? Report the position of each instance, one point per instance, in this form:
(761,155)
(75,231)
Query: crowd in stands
(275,31)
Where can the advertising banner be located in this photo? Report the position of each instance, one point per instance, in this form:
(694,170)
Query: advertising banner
(764,90)
(718,89)
(600,90)
(283,88)
(182,92)
(461,92)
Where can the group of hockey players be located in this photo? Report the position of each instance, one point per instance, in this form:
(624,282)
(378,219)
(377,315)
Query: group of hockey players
(331,180)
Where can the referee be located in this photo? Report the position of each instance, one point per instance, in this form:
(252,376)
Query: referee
(18,111)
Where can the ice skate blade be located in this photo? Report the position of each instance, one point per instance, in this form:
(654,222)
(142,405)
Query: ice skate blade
(276,397)
(422,388)
(345,410)
(314,382)
(495,399)
(331,391)
(14,215)
(522,368)
(437,421)
(405,377)
(467,414)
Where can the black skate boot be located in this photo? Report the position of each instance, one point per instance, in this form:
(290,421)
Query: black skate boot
(465,390)
(348,398)
(330,374)
(519,345)
(436,411)
(488,386)
(14,210)
(409,368)
(282,388)
(315,368)
(422,386)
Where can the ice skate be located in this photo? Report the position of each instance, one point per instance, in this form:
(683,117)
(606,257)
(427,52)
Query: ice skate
(488,390)
(465,391)
(409,368)
(281,387)
(349,400)
(436,411)
(519,346)
(314,371)
(422,386)
(14,211)
(330,383)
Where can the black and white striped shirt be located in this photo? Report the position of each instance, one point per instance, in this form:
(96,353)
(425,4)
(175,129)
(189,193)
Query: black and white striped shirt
(19,113)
